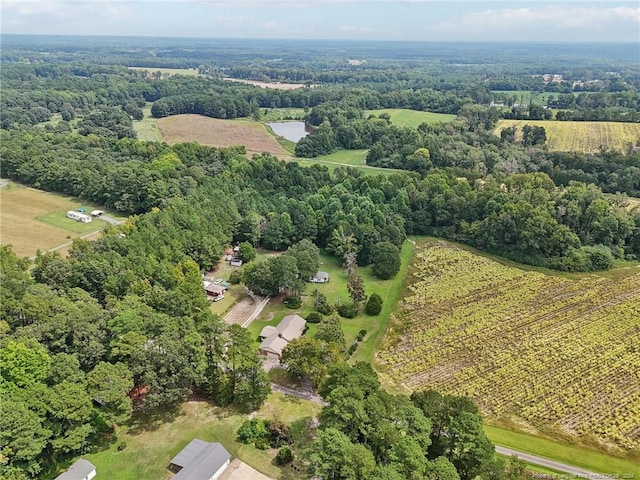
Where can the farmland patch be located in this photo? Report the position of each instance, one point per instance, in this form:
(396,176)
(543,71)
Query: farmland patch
(555,352)
(219,133)
(402,117)
(586,137)
(32,220)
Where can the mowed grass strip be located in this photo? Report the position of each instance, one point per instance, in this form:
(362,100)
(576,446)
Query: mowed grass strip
(402,117)
(570,454)
(346,158)
(584,137)
(153,440)
(219,133)
(19,210)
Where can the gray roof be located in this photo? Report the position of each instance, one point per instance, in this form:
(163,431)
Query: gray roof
(321,276)
(274,343)
(267,331)
(200,459)
(291,327)
(78,471)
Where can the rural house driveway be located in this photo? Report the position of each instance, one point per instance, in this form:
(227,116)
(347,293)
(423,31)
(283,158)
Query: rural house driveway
(246,310)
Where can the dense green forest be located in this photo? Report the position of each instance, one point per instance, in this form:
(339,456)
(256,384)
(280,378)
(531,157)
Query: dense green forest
(126,313)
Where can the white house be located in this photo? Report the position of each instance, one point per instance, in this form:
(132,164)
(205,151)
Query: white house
(201,460)
(78,216)
(320,277)
(81,470)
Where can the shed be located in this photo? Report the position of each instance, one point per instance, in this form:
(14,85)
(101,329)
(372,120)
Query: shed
(320,277)
(201,460)
(235,262)
(213,290)
(80,470)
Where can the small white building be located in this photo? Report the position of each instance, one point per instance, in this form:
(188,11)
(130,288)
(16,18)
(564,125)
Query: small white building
(81,470)
(320,277)
(79,216)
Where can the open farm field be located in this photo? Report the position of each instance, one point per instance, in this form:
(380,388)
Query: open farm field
(402,117)
(153,440)
(586,137)
(166,72)
(555,352)
(219,133)
(273,85)
(32,220)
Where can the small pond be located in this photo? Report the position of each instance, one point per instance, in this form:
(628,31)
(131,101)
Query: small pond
(293,131)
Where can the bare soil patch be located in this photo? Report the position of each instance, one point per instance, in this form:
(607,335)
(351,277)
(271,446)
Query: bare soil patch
(219,133)
(273,85)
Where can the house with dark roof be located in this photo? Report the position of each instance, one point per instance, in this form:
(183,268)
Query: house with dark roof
(200,460)
(80,470)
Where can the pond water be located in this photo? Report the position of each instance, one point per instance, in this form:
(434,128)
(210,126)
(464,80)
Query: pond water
(293,131)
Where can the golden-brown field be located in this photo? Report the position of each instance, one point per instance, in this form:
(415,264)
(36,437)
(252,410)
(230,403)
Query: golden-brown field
(19,208)
(587,137)
(273,85)
(552,351)
(219,133)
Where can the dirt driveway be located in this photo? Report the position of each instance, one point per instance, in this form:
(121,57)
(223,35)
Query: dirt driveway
(238,470)
(246,310)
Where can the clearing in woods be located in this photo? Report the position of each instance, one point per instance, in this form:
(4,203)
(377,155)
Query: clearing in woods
(402,117)
(220,133)
(586,137)
(32,220)
(557,352)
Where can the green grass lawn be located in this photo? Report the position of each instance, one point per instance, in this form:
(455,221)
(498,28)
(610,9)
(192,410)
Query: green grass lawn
(402,117)
(152,440)
(336,290)
(346,158)
(276,114)
(570,454)
(147,128)
(60,220)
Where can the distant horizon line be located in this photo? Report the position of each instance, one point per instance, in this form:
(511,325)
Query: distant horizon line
(290,39)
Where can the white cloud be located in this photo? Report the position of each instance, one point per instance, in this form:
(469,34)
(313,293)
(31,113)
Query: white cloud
(552,22)
(270,25)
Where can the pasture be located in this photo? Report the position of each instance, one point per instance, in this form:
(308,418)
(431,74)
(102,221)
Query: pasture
(147,128)
(166,72)
(585,137)
(219,133)
(346,158)
(555,352)
(32,220)
(402,117)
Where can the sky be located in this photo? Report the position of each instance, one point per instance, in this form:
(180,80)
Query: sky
(421,20)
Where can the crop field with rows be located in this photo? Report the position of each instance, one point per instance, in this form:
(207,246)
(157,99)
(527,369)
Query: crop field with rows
(549,350)
(587,137)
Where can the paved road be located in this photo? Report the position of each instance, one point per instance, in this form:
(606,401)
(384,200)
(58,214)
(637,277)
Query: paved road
(544,462)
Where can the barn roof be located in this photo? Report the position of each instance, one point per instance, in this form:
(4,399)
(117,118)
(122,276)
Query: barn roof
(78,471)
(200,459)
